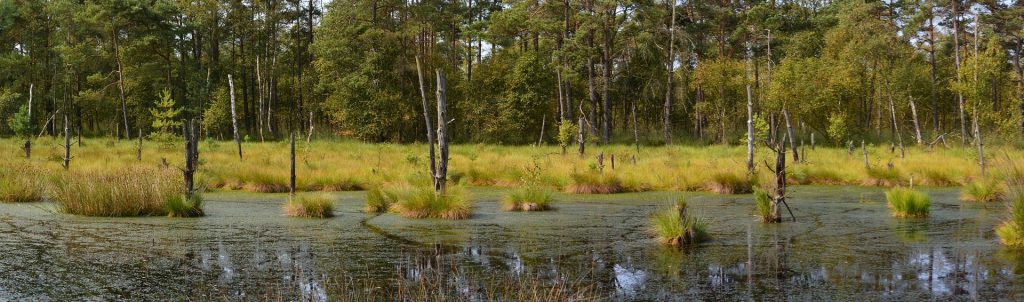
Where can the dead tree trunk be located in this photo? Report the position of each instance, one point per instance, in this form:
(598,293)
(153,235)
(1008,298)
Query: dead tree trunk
(120,85)
(430,130)
(234,116)
(667,114)
(309,135)
(582,135)
(750,131)
(191,156)
(138,147)
(636,133)
(917,125)
(291,178)
(543,122)
(28,135)
(260,93)
(864,148)
(67,142)
(441,177)
(789,133)
(978,142)
(895,124)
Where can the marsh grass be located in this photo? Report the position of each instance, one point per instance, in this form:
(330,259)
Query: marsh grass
(423,202)
(983,190)
(123,192)
(763,205)
(1011,231)
(674,226)
(907,203)
(882,177)
(20,181)
(379,200)
(318,205)
(181,206)
(730,183)
(595,183)
(528,199)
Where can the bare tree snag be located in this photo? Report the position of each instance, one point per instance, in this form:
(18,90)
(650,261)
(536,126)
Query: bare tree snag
(441,177)
(864,148)
(120,84)
(750,130)
(789,133)
(812,142)
(261,91)
(191,156)
(309,135)
(895,124)
(430,130)
(67,142)
(138,147)
(543,121)
(291,177)
(978,142)
(28,137)
(667,114)
(581,135)
(636,134)
(234,116)
(600,162)
(917,125)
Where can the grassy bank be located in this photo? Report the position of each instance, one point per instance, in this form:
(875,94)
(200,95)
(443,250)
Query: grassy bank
(347,165)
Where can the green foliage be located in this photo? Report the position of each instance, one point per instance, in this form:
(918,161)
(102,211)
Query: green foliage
(838,128)
(165,120)
(129,191)
(907,203)
(566,131)
(180,206)
(217,117)
(763,206)
(20,123)
(1011,231)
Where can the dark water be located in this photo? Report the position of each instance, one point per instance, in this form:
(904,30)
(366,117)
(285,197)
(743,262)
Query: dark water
(843,246)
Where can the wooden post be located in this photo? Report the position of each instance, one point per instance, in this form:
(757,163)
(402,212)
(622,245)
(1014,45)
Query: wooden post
(28,138)
(441,177)
(789,133)
(613,161)
(430,130)
(291,179)
(864,148)
(234,116)
(67,142)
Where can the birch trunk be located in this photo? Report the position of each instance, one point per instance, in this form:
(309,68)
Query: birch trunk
(28,137)
(789,133)
(667,114)
(426,117)
(234,116)
(917,125)
(120,85)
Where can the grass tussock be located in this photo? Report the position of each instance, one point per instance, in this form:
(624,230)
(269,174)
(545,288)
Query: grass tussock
(21,182)
(674,226)
(129,191)
(1011,231)
(985,190)
(310,206)
(595,183)
(181,206)
(423,202)
(730,183)
(528,199)
(379,200)
(763,206)
(908,203)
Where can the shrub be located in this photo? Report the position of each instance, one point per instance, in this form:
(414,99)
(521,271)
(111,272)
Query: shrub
(729,183)
(310,206)
(379,200)
(129,191)
(907,203)
(21,182)
(982,191)
(594,183)
(423,202)
(530,198)
(673,226)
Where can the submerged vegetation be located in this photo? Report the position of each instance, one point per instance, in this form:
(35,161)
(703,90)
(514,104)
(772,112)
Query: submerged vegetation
(21,182)
(310,206)
(527,199)
(908,203)
(128,191)
(675,226)
(985,190)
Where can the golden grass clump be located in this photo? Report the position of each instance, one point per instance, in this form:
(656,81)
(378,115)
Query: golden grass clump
(122,192)
(379,200)
(984,190)
(310,206)
(423,202)
(595,183)
(528,199)
(21,182)
(673,226)
(729,183)
(908,203)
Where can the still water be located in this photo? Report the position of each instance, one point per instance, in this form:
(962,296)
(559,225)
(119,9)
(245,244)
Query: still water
(844,245)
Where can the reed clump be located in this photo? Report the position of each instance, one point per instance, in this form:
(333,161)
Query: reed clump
(763,206)
(729,183)
(21,182)
(379,200)
(310,206)
(528,199)
(594,183)
(123,192)
(674,226)
(1011,231)
(908,203)
(984,190)
(423,202)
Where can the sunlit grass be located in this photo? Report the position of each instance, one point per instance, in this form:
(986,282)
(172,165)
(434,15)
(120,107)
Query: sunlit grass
(730,183)
(423,202)
(379,200)
(983,190)
(674,226)
(316,205)
(527,199)
(908,203)
(20,181)
(1011,231)
(128,191)
(594,183)
(763,206)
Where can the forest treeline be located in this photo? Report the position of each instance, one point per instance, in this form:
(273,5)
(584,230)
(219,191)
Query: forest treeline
(678,69)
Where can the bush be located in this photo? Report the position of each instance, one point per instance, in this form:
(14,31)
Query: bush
(730,183)
(379,200)
(21,182)
(423,202)
(907,203)
(310,206)
(594,183)
(982,191)
(673,226)
(129,191)
(530,198)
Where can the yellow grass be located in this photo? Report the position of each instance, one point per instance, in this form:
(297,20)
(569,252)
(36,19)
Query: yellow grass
(348,165)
